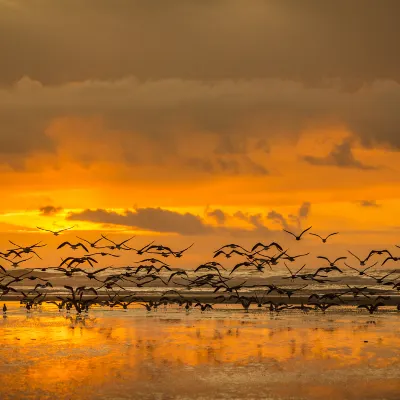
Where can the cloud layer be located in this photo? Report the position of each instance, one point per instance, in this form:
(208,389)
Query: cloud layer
(308,41)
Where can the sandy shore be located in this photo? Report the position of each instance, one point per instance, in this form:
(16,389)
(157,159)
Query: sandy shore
(217,355)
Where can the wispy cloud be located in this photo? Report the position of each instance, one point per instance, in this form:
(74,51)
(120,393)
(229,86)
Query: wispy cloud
(48,211)
(369,203)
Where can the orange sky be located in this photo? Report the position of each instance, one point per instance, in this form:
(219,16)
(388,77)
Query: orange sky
(155,114)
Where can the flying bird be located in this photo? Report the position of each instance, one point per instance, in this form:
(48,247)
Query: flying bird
(324,239)
(362,262)
(73,246)
(332,263)
(91,244)
(116,246)
(360,272)
(298,237)
(293,275)
(55,233)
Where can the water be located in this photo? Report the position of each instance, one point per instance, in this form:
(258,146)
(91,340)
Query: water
(223,354)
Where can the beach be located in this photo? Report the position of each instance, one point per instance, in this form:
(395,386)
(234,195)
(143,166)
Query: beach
(222,354)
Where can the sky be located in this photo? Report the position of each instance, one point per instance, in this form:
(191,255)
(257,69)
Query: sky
(200,122)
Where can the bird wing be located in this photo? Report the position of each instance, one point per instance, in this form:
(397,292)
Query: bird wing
(300,269)
(236,267)
(291,273)
(305,230)
(65,229)
(334,233)
(42,229)
(83,247)
(354,255)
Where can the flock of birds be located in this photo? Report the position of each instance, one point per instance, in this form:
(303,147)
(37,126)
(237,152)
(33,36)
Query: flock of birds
(112,289)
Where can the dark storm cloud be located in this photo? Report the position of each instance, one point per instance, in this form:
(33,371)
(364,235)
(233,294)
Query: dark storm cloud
(309,40)
(166,221)
(340,156)
(161,113)
(151,219)
(235,74)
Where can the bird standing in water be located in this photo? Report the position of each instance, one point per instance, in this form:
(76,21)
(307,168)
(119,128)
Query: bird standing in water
(4,309)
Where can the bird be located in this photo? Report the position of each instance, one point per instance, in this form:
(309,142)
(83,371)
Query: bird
(204,307)
(298,237)
(378,252)
(177,273)
(15,264)
(103,254)
(391,258)
(150,268)
(229,255)
(78,260)
(266,247)
(152,261)
(293,258)
(4,309)
(360,272)
(179,253)
(293,275)
(56,233)
(73,246)
(116,246)
(332,263)
(208,267)
(371,307)
(91,275)
(362,262)
(328,269)
(143,249)
(275,258)
(232,246)
(242,264)
(380,280)
(91,244)
(357,290)
(42,286)
(324,239)
(27,249)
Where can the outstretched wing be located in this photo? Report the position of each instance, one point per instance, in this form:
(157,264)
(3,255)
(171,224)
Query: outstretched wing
(305,230)
(291,233)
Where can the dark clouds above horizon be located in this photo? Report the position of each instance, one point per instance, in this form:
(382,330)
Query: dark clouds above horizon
(233,75)
(308,41)
(248,107)
(145,80)
(167,221)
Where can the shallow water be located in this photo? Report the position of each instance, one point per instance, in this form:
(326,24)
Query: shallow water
(224,354)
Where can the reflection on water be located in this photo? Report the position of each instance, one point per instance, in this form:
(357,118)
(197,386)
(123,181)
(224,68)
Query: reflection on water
(217,355)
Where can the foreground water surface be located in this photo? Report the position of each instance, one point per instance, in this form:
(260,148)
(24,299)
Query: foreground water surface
(223,354)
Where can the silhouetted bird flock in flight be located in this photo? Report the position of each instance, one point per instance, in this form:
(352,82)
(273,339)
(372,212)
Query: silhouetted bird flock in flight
(112,289)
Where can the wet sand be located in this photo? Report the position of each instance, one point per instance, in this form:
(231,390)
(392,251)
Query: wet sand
(223,354)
